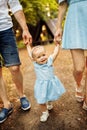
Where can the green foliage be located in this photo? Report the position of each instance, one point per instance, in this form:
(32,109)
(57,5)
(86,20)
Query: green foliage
(20,44)
(38,9)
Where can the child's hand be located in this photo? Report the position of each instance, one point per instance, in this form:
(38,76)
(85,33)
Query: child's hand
(56,51)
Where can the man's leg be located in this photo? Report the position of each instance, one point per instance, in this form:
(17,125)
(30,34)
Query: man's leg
(3,93)
(8,108)
(18,80)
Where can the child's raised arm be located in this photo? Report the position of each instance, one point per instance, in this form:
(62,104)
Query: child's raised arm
(29,50)
(56,51)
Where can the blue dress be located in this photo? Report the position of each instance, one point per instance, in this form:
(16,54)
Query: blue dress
(75,29)
(47,86)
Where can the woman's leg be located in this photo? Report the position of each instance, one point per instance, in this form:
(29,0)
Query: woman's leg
(79,66)
(85,99)
(86,83)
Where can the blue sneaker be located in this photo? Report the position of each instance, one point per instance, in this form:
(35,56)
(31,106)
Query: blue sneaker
(25,105)
(5,113)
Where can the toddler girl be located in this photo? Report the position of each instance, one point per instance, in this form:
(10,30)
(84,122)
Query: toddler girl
(47,86)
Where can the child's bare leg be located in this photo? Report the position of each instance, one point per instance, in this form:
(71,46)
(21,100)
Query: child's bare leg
(43,107)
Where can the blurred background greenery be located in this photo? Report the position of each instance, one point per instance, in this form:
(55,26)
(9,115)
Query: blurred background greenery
(39,9)
(35,10)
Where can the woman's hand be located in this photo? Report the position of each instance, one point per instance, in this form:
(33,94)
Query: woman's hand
(58,36)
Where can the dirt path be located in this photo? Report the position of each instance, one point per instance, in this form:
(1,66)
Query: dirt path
(67,113)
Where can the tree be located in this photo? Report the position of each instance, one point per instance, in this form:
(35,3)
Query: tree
(36,10)
(39,9)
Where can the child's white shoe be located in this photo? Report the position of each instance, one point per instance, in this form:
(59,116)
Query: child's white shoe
(44,116)
(49,106)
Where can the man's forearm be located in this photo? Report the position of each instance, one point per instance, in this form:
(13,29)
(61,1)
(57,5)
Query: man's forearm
(20,17)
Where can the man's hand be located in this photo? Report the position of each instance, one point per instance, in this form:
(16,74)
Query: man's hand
(27,38)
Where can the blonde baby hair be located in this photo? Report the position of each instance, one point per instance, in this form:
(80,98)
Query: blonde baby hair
(34,48)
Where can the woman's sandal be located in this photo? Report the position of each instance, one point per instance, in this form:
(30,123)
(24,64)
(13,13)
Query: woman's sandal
(84,106)
(79,97)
